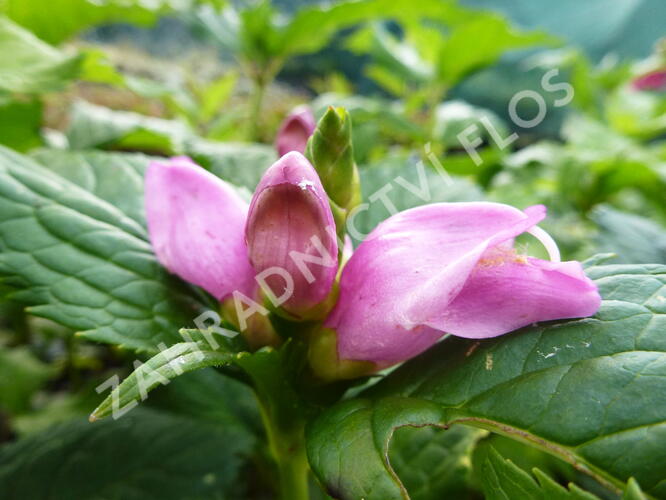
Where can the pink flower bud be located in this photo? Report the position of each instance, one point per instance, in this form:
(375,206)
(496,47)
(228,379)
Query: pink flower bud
(450,268)
(196,225)
(651,81)
(295,131)
(290,235)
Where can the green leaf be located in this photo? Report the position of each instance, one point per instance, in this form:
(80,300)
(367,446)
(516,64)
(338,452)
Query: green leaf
(21,375)
(76,15)
(20,124)
(633,238)
(145,455)
(198,352)
(407,182)
(94,126)
(434,463)
(237,163)
(215,95)
(83,263)
(588,391)
(34,66)
(503,479)
(633,491)
(481,42)
(454,117)
(116,178)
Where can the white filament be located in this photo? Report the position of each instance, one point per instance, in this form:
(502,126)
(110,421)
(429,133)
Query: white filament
(547,241)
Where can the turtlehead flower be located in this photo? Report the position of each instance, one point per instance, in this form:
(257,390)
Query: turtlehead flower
(283,244)
(290,235)
(450,268)
(295,131)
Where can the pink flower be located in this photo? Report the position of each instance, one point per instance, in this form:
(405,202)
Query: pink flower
(295,131)
(196,224)
(290,229)
(205,233)
(450,268)
(654,80)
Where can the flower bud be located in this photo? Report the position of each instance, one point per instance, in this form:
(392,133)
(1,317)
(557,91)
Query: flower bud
(295,131)
(330,151)
(290,235)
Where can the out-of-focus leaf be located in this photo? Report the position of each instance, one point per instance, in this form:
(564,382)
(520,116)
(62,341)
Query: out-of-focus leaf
(635,239)
(113,177)
(21,374)
(81,262)
(20,124)
(481,42)
(406,182)
(144,455)
(237,163)
(216,94)
(59,20)
(637,114)
(95,126)
(588,391)
(29,65)
(453,118)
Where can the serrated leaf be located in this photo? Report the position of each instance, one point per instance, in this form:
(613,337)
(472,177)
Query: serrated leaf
(589,391)
(434,463)
(114,177)
(34,66)
(145,455)
(503,479)
(81,262)
(170,363)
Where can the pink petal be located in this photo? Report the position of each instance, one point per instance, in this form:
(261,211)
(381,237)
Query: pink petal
(508,293)
(290,216)
(396,288)
(651,81)
(295,131)
(196,226)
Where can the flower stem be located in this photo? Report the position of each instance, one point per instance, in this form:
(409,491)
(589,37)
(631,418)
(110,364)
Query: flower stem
(287,446)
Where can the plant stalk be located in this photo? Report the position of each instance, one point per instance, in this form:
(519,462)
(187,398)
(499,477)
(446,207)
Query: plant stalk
(287,447)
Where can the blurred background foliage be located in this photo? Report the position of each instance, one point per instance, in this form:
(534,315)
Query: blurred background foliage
(91,88)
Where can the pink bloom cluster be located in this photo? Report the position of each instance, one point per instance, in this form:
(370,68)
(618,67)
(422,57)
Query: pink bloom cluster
(440,268)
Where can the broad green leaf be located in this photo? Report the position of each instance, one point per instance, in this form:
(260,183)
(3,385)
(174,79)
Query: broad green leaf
(81,262)
(216,94)
(197,352)
(633,238)
(589,391)
(20,124)
(116,178)
(145,455)
(479,43)
(503,479)
(34,66)
(74,16)
(434,463)
(94,126)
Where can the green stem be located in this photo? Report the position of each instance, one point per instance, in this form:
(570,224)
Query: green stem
(287,446)
(255,111)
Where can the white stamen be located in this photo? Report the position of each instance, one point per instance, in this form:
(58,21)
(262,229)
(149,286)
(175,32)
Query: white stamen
(305,184)
(547,241)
